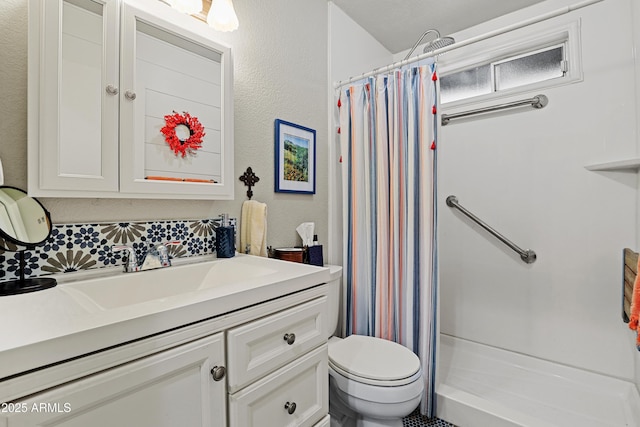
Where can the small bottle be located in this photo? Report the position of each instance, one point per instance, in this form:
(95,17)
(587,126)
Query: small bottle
(315,252)
(225,238)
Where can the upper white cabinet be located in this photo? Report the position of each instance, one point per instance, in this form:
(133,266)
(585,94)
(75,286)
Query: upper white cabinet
(103,76)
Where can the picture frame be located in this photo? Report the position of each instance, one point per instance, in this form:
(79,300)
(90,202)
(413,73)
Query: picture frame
(295,158)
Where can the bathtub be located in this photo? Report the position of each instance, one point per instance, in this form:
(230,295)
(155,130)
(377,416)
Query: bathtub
(483,386)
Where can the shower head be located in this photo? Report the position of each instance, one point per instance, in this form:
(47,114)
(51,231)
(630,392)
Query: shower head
(437,43)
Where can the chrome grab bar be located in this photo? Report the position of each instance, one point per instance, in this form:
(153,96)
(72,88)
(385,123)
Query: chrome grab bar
(538,101)
(527,255)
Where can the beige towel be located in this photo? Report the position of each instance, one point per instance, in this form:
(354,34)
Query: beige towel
(253,228)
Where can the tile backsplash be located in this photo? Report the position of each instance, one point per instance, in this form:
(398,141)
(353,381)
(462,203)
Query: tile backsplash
(74,247)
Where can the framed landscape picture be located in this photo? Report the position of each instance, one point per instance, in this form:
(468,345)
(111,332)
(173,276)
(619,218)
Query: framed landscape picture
(295,155)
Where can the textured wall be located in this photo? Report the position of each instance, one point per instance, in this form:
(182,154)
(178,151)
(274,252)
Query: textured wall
(280,56)
(280,64)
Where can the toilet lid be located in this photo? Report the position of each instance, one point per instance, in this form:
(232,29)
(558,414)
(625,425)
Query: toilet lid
(373,358)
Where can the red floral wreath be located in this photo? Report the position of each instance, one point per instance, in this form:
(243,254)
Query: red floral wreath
(196,133)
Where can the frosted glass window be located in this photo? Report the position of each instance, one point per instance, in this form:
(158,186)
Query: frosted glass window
(466,84)
(529,69)
(516,71)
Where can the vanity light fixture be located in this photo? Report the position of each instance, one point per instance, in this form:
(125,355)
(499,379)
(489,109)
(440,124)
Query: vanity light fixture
(190,7)
(222,16)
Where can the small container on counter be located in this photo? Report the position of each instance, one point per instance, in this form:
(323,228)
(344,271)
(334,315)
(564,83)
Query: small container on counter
(225,238)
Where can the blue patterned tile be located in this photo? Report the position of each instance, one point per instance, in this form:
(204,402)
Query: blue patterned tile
(86,237)
(107,257)
(32,265)
(73,247)
(158,233)
(180,232)
(195,246)
(123,233)
(68,261)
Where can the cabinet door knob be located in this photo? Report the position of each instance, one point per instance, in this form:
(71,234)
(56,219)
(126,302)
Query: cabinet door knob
(112,90)
(290,407)
(218,372)
(130,95)
(290,339)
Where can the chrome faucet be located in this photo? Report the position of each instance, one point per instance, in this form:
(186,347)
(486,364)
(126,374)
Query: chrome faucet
(130,261)
(156,257)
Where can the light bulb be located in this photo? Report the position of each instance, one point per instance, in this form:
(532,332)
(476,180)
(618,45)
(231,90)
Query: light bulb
(222,16)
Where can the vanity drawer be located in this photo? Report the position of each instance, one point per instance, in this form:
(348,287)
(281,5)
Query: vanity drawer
(262,346)
(270,401)
(325,422)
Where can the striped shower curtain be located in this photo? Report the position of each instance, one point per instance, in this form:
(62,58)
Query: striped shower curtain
(387,143)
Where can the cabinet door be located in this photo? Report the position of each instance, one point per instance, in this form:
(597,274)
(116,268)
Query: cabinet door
(169,389)
(73,96)
(167,69)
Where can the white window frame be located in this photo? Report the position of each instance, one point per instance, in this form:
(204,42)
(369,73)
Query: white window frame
(508,47)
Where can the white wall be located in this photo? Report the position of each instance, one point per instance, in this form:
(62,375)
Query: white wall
(636,38)
(280,54)
(523,173)
(352,51)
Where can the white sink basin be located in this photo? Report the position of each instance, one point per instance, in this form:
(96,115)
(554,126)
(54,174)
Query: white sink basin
(127,289)
(96,309)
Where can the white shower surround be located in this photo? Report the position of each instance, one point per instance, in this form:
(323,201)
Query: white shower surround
(523,172)
(482,386)
(559,319)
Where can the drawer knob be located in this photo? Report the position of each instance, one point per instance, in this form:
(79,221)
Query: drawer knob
(130,95)
(111,90)
(218,372)
(290,339)
(290,407)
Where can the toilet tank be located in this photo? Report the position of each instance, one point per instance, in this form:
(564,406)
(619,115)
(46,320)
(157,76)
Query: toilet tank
(334,325)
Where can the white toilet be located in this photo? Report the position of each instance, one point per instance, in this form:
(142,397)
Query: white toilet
(372,382)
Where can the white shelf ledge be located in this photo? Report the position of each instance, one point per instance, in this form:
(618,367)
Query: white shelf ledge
(619,165)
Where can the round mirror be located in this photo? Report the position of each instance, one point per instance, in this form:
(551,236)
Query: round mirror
(23,220)
(183,132)
(24,224)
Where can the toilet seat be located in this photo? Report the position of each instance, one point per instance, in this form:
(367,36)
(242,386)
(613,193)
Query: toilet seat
(360,359)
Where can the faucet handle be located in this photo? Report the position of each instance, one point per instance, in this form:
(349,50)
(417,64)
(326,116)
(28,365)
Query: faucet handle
(164,252)
(131,263)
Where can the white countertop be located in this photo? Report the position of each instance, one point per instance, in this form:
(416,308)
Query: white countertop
(56,324)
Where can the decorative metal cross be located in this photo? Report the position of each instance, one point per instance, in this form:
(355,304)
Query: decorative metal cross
(249,178)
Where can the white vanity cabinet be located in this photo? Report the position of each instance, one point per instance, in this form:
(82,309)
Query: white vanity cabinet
(325,422)
(103,75)
(264,365)
(172,388)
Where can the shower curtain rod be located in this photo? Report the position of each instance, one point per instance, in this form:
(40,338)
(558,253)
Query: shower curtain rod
(481,37)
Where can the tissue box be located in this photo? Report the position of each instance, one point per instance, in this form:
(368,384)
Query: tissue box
(314,255)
